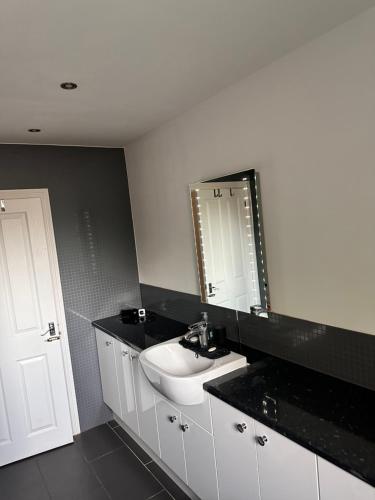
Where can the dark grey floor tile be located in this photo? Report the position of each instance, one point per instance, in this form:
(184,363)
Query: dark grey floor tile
(97,442)
(129,441)
(98,494)
(167,482)
(163,495)
(66,474)
(22,481)
(124,476)
(112,424)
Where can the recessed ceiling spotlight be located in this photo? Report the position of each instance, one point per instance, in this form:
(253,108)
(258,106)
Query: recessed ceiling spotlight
(68,85)
(34,130)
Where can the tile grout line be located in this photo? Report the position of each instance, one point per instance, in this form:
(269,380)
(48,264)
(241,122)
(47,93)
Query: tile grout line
(43,480)
(80,451)
(164,487)
(90,465)
(145,466)
(104,455)
(114,427)
(156,494)
(126,444)
(99,481)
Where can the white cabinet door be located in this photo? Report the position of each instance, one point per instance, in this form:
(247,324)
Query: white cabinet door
(170,435)
(336,484)
(236,456)
(200,460)
(286,470)
(108,372)
(145,398)
(126,385)
(200,413)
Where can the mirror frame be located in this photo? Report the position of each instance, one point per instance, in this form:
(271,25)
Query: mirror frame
(256,203)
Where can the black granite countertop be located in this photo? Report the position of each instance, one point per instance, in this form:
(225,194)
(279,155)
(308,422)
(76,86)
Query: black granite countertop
(155,330)
(334,419)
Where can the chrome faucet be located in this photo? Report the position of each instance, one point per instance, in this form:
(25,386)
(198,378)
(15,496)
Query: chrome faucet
(199,329)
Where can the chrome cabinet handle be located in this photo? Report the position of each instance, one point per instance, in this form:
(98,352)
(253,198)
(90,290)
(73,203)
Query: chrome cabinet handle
(108,343)
(184,427)
(124,353)
(262,440)
(133,356)
(172,418)
(241,427)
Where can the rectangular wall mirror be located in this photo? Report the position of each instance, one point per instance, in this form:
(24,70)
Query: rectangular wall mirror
(229,241)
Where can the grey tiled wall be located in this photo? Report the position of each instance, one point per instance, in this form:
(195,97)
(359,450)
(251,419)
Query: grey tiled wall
(95,244)
(340,353)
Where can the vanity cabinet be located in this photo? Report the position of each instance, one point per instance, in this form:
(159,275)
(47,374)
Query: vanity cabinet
(108,370)
(125,357)
(335,483)
(200,460)
(126,390)
(171,438)
(253,461)
(236,456)
(187,449)
(217,450)
(286,470)
(201,414)
(146,405)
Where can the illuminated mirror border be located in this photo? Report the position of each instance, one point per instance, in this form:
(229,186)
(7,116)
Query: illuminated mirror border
(256,213)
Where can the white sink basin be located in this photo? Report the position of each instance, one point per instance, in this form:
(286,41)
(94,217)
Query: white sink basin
(178,375)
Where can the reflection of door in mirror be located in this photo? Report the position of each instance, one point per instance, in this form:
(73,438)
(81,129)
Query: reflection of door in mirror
(222,214)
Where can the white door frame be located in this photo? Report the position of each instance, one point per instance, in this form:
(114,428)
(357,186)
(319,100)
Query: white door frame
(43,195)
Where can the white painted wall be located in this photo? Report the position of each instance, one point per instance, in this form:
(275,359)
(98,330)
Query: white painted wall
(307,124)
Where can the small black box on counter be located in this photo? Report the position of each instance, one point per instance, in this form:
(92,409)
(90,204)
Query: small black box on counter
(134,316)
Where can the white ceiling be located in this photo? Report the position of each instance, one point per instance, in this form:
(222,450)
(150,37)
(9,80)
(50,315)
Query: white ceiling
(138,63)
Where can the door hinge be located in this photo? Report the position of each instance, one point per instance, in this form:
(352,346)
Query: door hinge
(2,205)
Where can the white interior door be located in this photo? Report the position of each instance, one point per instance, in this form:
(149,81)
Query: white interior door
(228,245)
(213,235)
(240,249)
(34,404)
